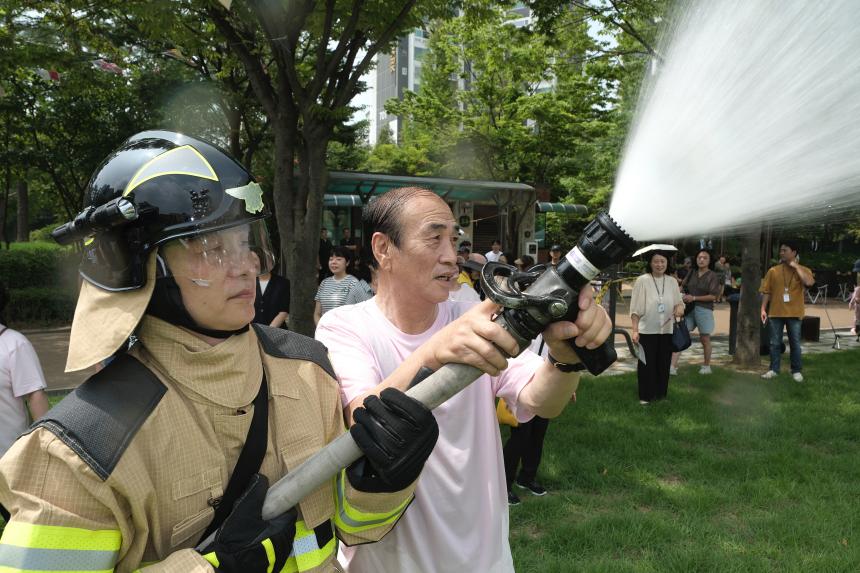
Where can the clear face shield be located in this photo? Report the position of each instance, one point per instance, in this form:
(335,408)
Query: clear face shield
(244,250)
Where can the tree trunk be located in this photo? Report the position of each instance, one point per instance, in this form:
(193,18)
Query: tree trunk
(749,322)
(298,211)
(23,213)
(4,202)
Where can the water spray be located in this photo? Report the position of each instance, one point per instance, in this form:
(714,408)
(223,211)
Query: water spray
(752,115)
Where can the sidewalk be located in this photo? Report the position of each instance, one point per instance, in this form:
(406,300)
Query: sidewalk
(52,344)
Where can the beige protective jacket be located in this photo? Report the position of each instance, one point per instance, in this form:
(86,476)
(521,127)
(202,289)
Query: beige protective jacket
(150,508)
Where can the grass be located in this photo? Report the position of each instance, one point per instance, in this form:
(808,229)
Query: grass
(732,473)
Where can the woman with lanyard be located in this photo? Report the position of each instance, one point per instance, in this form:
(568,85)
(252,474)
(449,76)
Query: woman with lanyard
(655,301)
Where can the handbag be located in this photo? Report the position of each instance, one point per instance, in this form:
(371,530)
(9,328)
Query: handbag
(680,336)
(504,414)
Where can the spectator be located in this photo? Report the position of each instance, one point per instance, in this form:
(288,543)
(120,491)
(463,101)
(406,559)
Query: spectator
(349,241)
(854,303)
(701,286)
(525,444)
(465,249)
(494,255)
(464,276)
(524,263)
(555,255)
(474,265)
(782,303)
(334,290)
(724,271)
(272,303)
(324,254)
(685,269)
(459,520)
(654,303)
(363,290)
(463,291)
(23,398)
(22,384)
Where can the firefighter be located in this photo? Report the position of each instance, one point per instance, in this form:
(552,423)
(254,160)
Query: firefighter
(197,411)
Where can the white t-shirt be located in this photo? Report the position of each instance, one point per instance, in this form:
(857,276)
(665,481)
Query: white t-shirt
(493,257)
(459,519)
(20,374)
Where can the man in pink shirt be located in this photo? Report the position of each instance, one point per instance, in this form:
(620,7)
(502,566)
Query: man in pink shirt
(459,518)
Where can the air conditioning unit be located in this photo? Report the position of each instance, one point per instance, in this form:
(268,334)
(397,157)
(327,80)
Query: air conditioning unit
(532,248)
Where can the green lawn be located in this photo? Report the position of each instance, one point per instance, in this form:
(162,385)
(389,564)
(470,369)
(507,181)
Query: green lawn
(732,473)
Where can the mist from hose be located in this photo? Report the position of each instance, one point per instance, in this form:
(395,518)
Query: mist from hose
(753,115)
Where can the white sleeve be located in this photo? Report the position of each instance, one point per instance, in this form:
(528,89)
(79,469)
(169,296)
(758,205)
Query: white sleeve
(514,378)
(27,375)
(351,357)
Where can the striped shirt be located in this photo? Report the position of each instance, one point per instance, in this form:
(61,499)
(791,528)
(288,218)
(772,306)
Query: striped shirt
(332,293)
(359,293)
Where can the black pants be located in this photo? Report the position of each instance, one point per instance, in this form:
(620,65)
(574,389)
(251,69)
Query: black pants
(654,375)
(4,514)
(526,444)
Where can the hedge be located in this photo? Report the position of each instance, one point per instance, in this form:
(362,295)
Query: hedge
(29,265)
(41,306)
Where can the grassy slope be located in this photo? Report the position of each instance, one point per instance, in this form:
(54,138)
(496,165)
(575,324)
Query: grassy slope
(732,473)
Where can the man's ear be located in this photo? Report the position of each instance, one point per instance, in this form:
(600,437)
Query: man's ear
(381,246)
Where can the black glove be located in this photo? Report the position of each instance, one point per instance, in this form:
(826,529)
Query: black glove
(238,545)
(397,434)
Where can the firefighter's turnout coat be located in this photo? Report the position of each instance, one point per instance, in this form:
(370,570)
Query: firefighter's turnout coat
(124,474)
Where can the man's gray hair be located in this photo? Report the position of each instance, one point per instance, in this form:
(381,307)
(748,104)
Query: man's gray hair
(385,214)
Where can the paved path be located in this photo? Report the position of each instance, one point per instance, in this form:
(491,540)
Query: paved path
(52,344)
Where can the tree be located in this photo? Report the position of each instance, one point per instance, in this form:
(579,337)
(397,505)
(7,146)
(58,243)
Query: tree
(748,333)
(529,110)
(304,61)
(62,116)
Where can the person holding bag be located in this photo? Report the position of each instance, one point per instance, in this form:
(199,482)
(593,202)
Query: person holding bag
(655,302)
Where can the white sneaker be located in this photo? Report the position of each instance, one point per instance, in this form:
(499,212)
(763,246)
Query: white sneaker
(769,374)
(673,371)
(798,377)
(705,370)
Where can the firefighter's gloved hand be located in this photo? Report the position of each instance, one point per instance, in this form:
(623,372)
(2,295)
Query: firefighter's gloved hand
(397,434)
(239,542)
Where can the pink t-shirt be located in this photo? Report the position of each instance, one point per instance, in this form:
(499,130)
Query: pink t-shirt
(459,519)
(20,374)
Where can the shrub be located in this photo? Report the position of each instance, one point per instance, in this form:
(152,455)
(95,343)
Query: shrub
(41,306)
(43,234)
(38,264)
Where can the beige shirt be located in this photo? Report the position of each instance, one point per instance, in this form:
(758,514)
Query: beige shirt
(782,280)
(648,293)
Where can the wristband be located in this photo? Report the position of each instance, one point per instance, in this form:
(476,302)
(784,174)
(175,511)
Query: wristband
(563,366)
